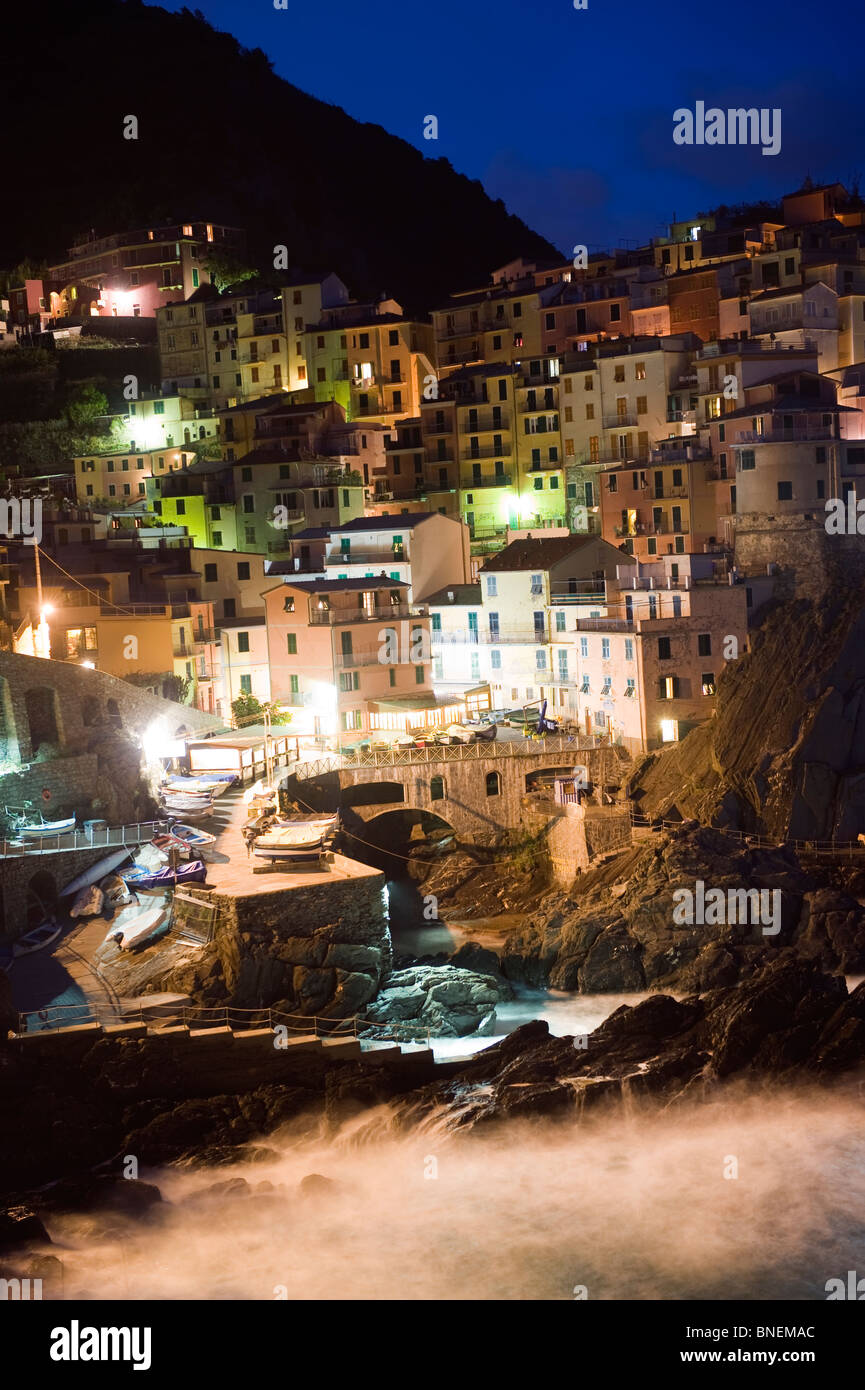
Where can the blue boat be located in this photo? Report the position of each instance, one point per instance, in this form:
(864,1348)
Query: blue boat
(193,872)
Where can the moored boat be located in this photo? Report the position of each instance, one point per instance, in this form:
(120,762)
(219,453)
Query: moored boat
(47,827)
(88,902)
(96,872)
(193,872)
(137,927)
(299,840)
(36,939)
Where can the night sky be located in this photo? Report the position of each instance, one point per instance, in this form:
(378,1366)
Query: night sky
(567,115)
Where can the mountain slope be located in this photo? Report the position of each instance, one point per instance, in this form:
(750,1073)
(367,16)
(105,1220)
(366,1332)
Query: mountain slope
(222,137)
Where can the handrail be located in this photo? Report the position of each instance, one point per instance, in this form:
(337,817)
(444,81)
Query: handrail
(852,847)
(111,837)
(447,753)
(216,1016)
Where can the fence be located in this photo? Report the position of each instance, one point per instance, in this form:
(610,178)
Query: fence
(852,849)
(448,753)
(203,1017)
(109,837)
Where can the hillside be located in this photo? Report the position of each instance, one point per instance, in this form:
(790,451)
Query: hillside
(222,137)
(785,753)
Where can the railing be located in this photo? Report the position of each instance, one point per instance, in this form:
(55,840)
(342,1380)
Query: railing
(388,613)
(496,480)
(111,836)
(349,659)
(788,436)
(450,753)
(203,1017)
(605,625)
(612,422)
(525,637)
(382,558)
(487,452)
(483,423)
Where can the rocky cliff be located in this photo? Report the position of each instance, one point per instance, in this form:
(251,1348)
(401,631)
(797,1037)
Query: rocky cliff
(784,754)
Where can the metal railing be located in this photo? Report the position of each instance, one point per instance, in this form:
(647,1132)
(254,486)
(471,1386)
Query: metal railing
(786,436)
(110,836)
(202,1017)
(496,480)
(389,612)
(448,753)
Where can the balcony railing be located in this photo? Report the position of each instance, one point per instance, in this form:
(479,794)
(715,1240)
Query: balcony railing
(483,452)
(786,436)
(525,637)
(605,625)
(382,558)
(614,422)
(347,660)
(547,466)
(380,614)
(485,422)
(494,480)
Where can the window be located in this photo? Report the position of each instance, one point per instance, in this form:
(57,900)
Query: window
(492,591)
(228,608)
(418,675)
(560,622)
(540,659)
(246,684)
(615,313)
(294,684)
(243,569)
(785,492)
(707,683)
(437,789)
(181,507)
(704,644)
(493,783)
(746,459)
(605,648)
(495,661)
(584,647)
(630,687)
(642,405)
(629,649)
(243,641)
(291,640)
(664,649)
(613,483)
(217,539)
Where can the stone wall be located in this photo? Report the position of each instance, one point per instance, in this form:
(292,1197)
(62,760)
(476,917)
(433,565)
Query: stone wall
(48,873)
(477,818)
(319,948)
(809,561)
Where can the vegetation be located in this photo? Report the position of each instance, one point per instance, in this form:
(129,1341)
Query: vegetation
(247,708)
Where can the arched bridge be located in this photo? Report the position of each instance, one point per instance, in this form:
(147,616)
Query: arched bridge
(477,788)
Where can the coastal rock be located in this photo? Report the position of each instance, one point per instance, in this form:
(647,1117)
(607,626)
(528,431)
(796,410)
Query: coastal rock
(19,1226)
(443,999)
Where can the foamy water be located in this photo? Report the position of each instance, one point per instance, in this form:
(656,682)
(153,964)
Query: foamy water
(632,1206)
(565,1013)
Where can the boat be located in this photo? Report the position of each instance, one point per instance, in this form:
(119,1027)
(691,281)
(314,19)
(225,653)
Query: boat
(193,872)
(48,827)
(205,785)
(37,939)
(115,890)
(299,840)
(191,835)
(487,735)
(96,872)
(168,842)
(183,804)
(137,927)
(88,902)
(546,726)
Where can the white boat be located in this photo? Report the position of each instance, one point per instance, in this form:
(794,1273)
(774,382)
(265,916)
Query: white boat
(36,939)
(48,827)
(96,872)
(88,902)
(198,839)
(191,786)
(133,926)
(180,803)
(115,890)
(296,840)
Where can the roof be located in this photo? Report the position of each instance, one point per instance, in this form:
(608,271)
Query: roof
(454,595)
(386,523)
(423,700)
(335,586)
(535,554)
(788,293)
(311,533)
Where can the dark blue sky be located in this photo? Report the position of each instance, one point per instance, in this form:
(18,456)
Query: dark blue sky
(567,115)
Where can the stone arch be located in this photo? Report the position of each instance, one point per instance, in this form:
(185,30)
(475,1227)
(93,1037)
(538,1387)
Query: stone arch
(112,710)
(373,794)
(40,898)
(43,717)
(494,784)
(545,776)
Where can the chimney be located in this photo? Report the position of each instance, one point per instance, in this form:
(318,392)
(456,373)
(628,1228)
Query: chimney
(450,595)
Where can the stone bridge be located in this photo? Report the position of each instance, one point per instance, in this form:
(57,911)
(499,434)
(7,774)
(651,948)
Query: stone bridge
(478,789)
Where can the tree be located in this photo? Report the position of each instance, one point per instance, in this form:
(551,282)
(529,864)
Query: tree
(225,271)
(246,708)
(85,404)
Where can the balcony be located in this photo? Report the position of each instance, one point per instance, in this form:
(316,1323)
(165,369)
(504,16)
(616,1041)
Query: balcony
(659,493)
(546,466)
(615,422)
(605,625)
(397,556)
(485,452)
(604,457)
(385,613)
(484,423)
(494,480)
(789,436)
(541,426)
(347,660)
(524,637)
